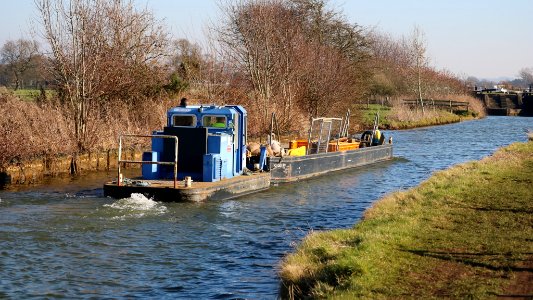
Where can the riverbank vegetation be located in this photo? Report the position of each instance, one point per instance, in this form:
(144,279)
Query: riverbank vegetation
(30,129)
(396,115)
(405,118)
(113,68)
(463,233)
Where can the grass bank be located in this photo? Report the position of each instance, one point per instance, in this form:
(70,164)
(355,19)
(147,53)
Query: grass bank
(33,94)
(394,118)
(464,232)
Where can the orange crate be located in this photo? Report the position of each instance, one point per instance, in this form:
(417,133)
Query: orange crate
(297,144)
(343,146)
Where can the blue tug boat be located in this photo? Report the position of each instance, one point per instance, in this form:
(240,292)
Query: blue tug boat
(199,155)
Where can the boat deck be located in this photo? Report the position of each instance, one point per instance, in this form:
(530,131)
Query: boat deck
(163,190)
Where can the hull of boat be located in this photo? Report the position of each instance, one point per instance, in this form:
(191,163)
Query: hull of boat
(294,168)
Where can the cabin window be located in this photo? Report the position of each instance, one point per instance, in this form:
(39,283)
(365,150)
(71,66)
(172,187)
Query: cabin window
(184,120)
(214,121)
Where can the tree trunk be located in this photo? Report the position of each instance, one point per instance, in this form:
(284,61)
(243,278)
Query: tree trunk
(420,91)
(74,165)
(17,80)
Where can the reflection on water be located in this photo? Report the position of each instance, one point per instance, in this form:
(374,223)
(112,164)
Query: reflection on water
(64,239)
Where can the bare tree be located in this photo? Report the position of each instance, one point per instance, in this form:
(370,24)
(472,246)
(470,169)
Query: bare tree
(295,58)
(329,27)
(216,83)
(18,56)
(187,59)
(419,61)
(391,56)
(250,39)
(527,75)
(185,62)
(103,50)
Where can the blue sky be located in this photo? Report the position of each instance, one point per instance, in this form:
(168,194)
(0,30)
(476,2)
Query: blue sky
(482,38)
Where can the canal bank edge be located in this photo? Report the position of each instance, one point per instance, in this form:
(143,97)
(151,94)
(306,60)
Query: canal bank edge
(447,118)
(398,125)
(464,232)
(34,171)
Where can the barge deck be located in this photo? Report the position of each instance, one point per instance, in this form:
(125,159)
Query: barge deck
(163,190)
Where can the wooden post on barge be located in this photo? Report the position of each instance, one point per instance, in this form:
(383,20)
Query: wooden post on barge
(119,158)
(176,164)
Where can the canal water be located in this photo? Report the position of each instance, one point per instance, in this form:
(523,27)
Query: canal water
(64,239)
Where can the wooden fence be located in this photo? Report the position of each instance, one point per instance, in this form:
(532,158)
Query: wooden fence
(449,104)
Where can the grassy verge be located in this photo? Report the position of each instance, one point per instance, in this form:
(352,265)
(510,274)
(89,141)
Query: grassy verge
(465,232)
(403,118)
(32,94)
(369,111)
(27,94)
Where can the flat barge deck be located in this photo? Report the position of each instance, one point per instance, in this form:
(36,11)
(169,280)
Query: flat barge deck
(163,190)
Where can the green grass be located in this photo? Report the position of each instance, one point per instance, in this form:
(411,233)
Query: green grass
(442,118)
(31,94)
(27,94)
(369,112)
(388,121)
(464,233)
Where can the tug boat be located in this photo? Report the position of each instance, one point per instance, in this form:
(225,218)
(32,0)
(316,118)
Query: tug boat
(200,155)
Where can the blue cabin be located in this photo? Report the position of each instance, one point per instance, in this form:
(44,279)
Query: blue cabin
(211,144)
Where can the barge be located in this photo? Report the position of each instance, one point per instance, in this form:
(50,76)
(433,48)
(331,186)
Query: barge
(202,154)
(294,168)
(321,154)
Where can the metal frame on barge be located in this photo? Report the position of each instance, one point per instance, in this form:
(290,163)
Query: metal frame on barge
(324,154)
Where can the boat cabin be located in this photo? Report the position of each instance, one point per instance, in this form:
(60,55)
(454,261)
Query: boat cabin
(211,144)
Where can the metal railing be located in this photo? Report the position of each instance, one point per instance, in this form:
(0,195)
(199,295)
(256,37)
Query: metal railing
(324,134)
(174,163)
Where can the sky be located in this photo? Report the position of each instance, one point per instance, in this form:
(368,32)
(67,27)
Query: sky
(487,39)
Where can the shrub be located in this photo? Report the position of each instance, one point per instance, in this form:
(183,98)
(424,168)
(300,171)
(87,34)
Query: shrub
(28,131)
